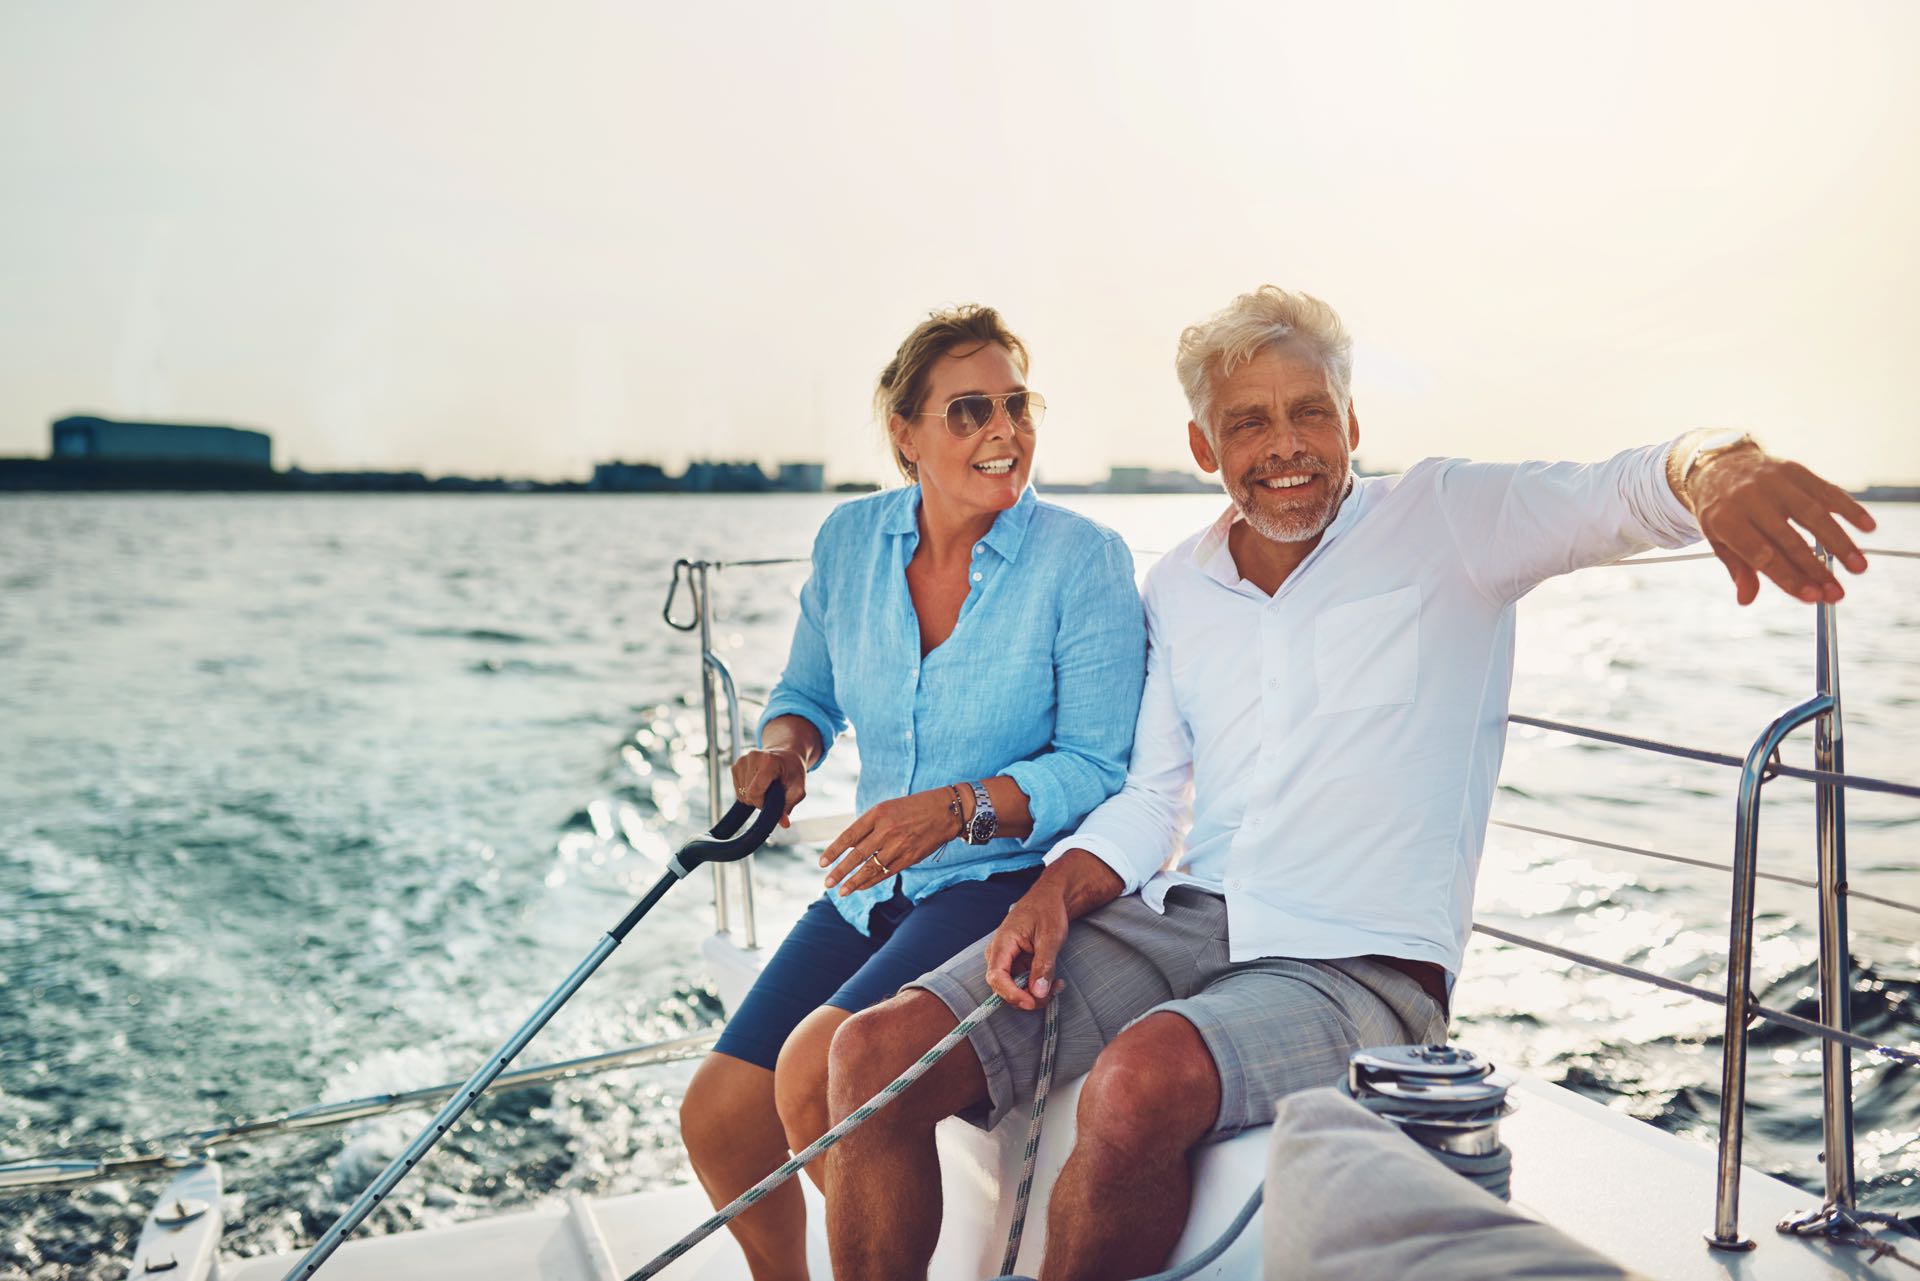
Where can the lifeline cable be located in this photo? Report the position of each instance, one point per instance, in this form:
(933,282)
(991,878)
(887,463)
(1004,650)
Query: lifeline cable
(855,1119)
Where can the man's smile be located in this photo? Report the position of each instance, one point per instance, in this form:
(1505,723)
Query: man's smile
(1286,482)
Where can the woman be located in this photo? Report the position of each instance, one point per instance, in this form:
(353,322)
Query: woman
(989,651)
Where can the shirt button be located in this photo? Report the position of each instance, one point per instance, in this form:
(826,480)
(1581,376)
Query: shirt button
(1234,883)
(978,548)
(1273,682)
(1253,820)
(977,576)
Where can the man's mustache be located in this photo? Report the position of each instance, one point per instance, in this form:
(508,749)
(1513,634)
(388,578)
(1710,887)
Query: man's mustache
(1293,466)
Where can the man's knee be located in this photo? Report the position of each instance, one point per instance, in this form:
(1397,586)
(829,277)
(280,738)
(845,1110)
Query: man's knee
(1155,1088)
(876,1045)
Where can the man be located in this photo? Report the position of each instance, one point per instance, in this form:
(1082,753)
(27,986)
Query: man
(1323,721)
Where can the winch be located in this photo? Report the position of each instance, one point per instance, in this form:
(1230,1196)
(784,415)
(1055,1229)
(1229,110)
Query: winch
(1446,1099)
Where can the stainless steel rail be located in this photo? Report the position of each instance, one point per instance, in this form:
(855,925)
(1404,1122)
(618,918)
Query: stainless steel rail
(1762,764)
(1707,863)
(1733,1058)
(1892,1053)
(714,673)
(1836,960)
(1669,560)
(179,1150)
(1863,782)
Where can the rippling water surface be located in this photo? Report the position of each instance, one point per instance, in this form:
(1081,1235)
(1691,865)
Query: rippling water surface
(309,798)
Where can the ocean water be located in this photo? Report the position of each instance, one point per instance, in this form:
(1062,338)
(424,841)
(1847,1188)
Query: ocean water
(309,798)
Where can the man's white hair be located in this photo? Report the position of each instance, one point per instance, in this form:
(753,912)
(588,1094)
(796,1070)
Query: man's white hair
(1249,325)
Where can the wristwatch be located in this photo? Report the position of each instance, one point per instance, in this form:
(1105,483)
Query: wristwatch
(1721,442)
(985,822)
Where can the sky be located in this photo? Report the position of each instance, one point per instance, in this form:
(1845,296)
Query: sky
(518,239)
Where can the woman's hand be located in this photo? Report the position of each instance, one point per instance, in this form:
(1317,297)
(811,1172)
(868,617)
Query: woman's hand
(888,838)
(754,770)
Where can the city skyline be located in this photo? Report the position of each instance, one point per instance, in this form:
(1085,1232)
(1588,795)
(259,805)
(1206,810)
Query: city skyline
(636,232)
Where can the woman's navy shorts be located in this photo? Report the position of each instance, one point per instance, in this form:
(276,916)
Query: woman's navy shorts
(825,961)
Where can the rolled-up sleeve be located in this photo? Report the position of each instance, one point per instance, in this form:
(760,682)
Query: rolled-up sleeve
(1099,668)
(805,688)
(1518,524)
(1138,831)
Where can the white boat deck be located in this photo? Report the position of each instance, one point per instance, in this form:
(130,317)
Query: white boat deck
(1636,1194)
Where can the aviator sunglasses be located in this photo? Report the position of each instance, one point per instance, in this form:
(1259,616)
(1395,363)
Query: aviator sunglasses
(968,415)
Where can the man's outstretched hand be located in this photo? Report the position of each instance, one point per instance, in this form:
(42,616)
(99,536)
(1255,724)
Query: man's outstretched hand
(1752,508)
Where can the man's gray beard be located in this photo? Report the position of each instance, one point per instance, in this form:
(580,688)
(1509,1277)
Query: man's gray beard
(1300,528)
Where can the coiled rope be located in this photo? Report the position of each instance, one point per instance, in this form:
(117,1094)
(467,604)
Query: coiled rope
(858,1117)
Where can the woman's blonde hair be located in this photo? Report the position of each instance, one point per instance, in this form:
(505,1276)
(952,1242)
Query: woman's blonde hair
(903,383)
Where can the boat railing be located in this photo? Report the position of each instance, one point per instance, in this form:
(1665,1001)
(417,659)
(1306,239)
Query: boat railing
(188,1148)
(1761,765)
(730,880)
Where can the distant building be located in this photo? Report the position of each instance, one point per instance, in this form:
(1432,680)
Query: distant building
(630,478)
(102,440)
(704,477)
(801,478)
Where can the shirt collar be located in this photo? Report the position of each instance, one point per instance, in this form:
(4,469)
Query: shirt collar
(902,512)
(1009,527)
(1214,557)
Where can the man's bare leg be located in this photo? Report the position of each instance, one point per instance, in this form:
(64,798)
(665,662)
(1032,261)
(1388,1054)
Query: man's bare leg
(1121,1200)
(883,1213)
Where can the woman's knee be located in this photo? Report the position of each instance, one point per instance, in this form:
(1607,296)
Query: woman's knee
(722,1098)
(800,1077)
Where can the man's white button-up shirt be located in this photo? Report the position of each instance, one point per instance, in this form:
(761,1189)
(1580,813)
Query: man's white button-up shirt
(1329,753)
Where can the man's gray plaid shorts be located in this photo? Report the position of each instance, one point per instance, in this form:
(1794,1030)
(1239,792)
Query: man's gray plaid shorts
(1273,1025)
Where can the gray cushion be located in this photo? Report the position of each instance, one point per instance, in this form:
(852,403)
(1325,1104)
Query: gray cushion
(1350,1198)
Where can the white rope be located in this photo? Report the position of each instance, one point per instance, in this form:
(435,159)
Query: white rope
(858,1117)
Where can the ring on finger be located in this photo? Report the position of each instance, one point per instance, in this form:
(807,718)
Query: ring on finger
(874,858)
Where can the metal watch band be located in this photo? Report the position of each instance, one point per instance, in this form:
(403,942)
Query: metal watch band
(1713,446)
(985,822)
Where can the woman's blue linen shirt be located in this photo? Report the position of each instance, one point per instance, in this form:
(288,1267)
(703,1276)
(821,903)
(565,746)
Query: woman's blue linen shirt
(1040,680)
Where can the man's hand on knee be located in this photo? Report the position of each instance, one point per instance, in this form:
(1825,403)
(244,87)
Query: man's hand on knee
(1036,926)
(1029,938)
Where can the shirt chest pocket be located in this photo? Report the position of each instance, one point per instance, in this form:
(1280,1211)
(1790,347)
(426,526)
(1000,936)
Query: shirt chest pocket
(1366,653)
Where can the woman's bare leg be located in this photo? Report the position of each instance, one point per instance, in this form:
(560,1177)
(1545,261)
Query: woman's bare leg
(733,1137)
(800,1083)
